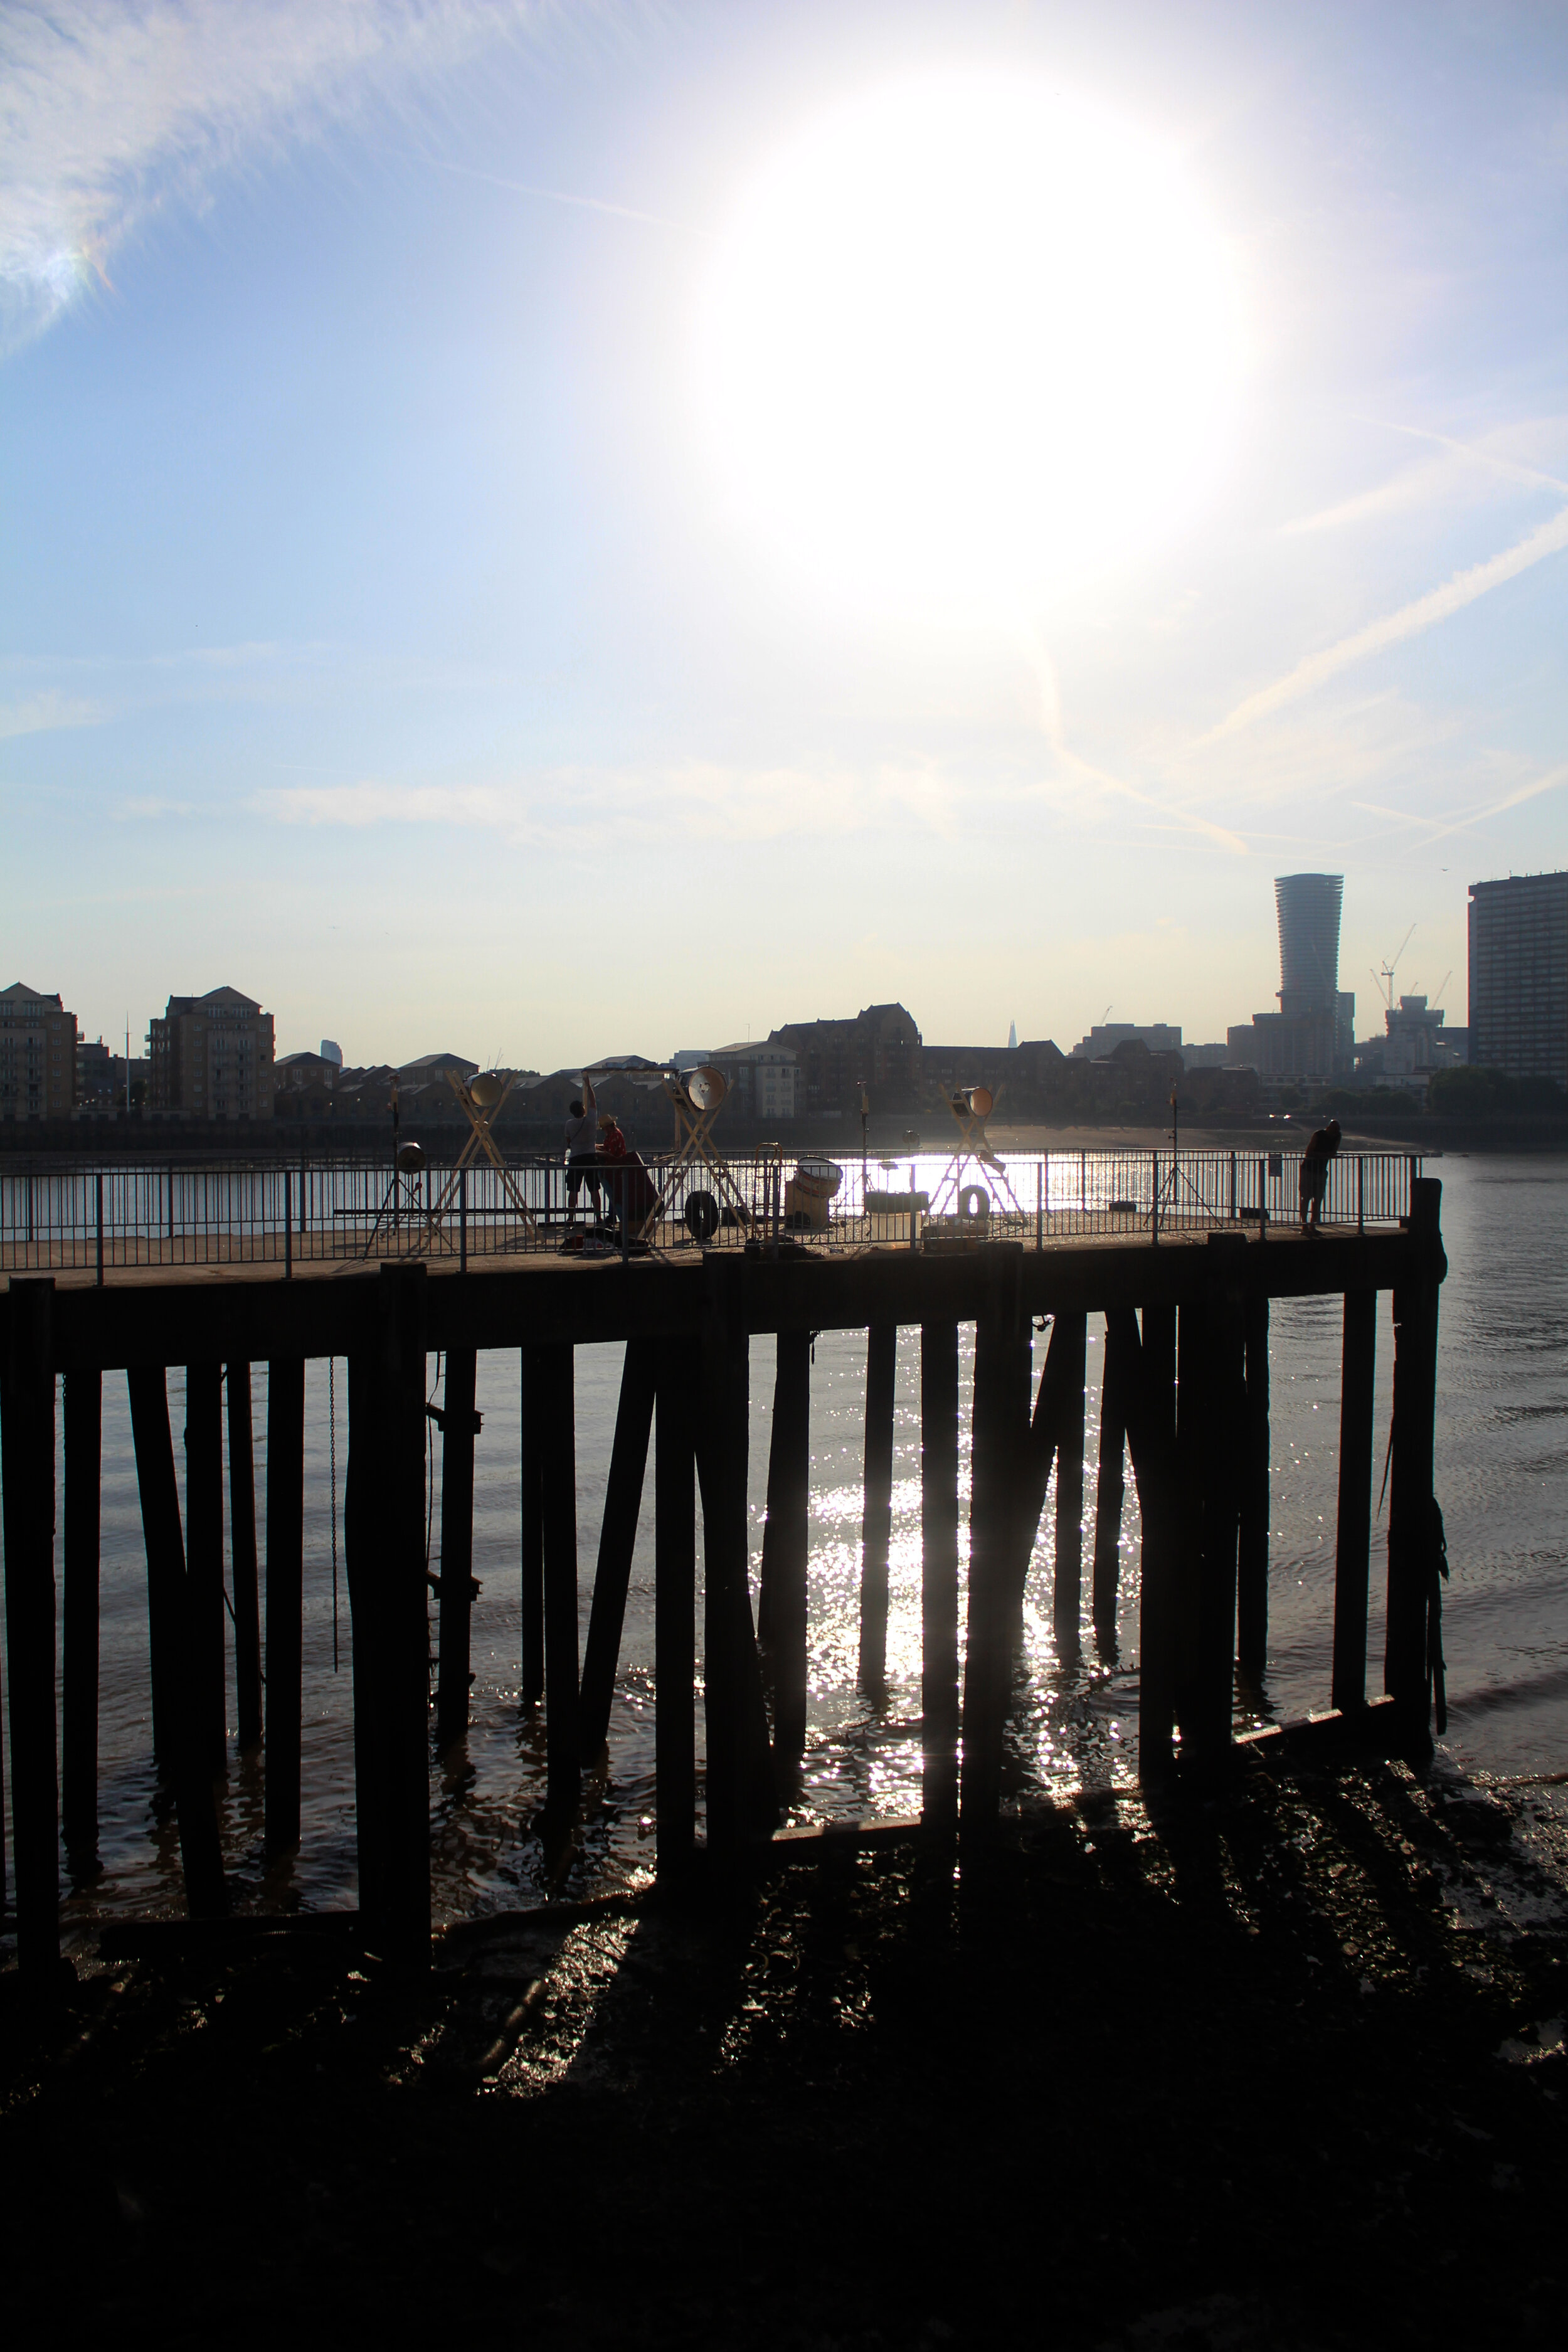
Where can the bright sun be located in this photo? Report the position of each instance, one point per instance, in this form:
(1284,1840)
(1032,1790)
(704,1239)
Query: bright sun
(965,343)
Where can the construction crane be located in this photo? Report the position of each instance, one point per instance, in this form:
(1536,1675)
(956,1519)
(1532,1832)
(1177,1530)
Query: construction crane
(1384,978)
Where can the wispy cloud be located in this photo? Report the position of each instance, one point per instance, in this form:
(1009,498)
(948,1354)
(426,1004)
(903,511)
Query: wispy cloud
(110,109)
(578,809)
(1315,670)
(41,714)
(150,808)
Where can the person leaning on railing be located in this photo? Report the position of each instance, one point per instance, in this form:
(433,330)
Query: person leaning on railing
(1322,1146)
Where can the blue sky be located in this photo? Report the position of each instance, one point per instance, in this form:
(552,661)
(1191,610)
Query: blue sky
(379,632)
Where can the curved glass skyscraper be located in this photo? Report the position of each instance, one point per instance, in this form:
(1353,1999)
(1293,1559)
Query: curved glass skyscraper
(1309,909)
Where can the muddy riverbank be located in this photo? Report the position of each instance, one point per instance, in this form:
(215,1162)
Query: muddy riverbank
(1283,2069)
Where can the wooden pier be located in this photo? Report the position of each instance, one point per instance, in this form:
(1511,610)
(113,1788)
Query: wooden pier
(1186,1387)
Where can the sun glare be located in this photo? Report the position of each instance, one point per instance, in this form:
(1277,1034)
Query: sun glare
(965,343)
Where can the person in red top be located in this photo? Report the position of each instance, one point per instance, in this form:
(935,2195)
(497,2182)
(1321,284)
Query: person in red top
(627,1186)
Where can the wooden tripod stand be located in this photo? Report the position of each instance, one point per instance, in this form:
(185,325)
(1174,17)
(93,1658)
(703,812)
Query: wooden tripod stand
(480,1116)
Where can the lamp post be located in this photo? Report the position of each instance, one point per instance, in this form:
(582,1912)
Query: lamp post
(865,1135)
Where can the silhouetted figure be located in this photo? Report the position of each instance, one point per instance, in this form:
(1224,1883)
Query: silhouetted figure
(582,1149)
(1322,1146)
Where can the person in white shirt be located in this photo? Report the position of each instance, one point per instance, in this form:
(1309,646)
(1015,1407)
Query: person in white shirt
(581,1153)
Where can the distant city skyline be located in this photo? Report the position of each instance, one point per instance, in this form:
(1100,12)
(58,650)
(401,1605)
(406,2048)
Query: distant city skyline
(421,610)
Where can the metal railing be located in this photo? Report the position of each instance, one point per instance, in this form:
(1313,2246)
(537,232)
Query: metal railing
(105,1219)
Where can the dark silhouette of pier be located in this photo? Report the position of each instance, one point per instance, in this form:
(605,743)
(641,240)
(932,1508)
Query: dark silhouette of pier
(1186,1387)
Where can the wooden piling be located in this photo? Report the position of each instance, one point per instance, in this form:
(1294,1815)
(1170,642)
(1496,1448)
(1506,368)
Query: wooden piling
(1252,1552)
(384,1532)
(78,1663)
(162,1535)
(243,1557)
(1000,1427)
(285,1598)
(28,1474)
(208,1642)
(1053,1404)
(877,1508)
(1194,1433)
(675,1606)
(617,1542)
(557,1434)
(789,1532)
(177,1730)
(939,1577)
(1209,1721)
(1410,1525)
(459,1427)
(741,1802)
(531,1485)
(1147,1372)
(1111,1490)
(1071,1332)
(1353,1561)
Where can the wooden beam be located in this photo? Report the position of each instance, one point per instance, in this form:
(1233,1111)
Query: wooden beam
(1110,1491)
(554,1301)
(243,1557)
(1353,1549)
(285,1598)
(617,1542)
(460,1425)
(177,1730)
(789,1522)
(1223,1411)
(939,1576)
(1252,1554)
(876,1507)
(1412,1559)
(383,1530)
(78,1663)
(208,1635)
(1001,1429)
(741,1801)
(27,1476)
(163,1539)
(532,1375)
(1147,1371)
(675,1606)
(557,1430)
(1067,1600)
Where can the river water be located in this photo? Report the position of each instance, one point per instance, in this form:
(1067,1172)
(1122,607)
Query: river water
(1503,1480)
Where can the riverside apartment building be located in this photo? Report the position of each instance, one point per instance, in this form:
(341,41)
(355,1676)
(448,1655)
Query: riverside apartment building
(38,1055)
(211,1057)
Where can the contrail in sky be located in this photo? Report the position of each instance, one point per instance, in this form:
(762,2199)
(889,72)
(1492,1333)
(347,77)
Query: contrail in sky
(559,197)
(1315,670)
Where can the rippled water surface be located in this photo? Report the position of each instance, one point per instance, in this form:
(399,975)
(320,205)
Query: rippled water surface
(1502,1412)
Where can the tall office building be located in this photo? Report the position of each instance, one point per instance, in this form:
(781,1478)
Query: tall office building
(1307,906)
(1313,1033)
(1518,975)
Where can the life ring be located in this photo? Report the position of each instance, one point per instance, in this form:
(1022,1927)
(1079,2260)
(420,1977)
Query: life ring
(701,1216)
(975,1204)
